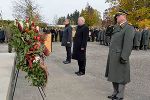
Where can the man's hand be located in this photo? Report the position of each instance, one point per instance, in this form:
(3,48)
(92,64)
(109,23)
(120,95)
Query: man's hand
(68,42)
(82,49)
(123,61)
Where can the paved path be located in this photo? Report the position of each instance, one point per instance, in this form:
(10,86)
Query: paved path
(6,73)
(3,48)
(65,85)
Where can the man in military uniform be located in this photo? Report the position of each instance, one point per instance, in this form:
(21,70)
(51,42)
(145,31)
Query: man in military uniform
(118,66)
(96,32)
(137,39)
(145,39)
(102,37)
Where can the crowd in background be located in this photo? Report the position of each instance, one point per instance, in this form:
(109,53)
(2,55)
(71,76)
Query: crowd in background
(57,33)
(103,35)
(141,38)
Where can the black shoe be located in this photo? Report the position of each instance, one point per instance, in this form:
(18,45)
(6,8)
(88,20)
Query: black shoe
(80,74)
(112,97)
(66,62)
(77,72)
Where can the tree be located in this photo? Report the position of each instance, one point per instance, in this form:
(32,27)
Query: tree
(138,10)
(42,25)
(91,15)
(55,20)
(1,15)
(108,16)
(25,8)
(61,21)
(74,17)
(5,22)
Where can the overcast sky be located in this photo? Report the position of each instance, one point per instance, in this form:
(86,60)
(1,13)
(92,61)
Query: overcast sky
(51,8)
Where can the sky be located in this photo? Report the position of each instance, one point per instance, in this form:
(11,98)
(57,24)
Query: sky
(51,8)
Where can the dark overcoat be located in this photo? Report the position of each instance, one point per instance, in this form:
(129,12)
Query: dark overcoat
(2,35)
(120,48)
(67,36)
(80,41)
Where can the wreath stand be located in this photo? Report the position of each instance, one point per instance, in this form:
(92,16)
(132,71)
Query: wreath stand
(15,80)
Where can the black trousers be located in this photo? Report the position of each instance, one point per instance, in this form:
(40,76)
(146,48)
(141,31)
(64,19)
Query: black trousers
(93,38)
(68,50)
(60,38)
(82,65)
(56,37)
(52,38)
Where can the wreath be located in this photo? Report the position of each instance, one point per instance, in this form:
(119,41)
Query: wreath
(30,50)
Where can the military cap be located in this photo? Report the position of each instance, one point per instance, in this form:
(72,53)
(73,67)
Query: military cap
(121,12)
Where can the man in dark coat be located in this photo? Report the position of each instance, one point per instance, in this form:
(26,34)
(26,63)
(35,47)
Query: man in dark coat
(118,65)
(109,31)
(2,36)
(145,39)
(56,35)
(67,40)
(137,39)
(80,44)
(93,35)
(53,34)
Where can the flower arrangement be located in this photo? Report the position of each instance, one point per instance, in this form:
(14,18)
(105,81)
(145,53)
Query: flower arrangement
(30,50)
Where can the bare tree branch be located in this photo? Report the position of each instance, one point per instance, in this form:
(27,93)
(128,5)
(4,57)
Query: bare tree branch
(25,8)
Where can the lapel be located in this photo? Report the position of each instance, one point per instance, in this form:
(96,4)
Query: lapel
(118,28)
(124,27)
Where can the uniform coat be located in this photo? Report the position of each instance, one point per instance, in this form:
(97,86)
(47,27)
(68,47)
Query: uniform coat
(145,37)
(137,38)
(120,48)
(102,35)
(80,41)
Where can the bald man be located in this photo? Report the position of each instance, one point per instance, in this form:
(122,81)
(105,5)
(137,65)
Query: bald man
(80,44)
